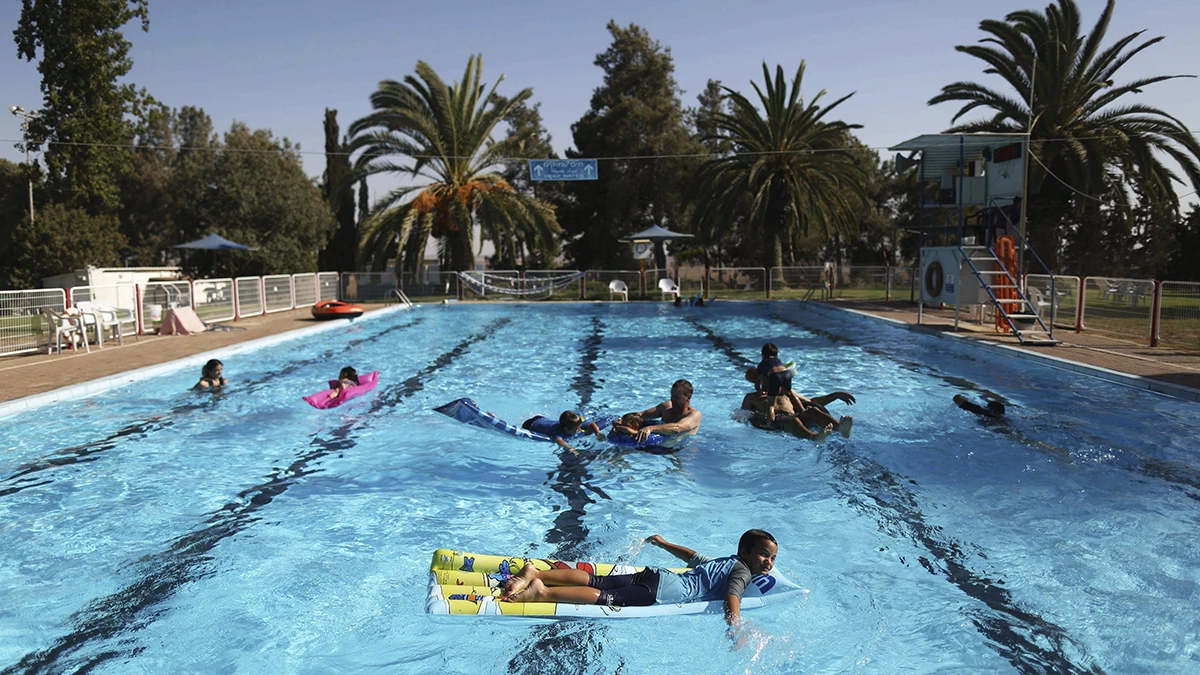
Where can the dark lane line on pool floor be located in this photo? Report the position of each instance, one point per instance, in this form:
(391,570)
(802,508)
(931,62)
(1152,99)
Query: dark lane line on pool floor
(117,615)
(89,451)
(569,532)
(551,644)
(1178,476)
(1014,633)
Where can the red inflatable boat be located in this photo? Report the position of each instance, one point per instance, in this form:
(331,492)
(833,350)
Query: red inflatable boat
(336,309)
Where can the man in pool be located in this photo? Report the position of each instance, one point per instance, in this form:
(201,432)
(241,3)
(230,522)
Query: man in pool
(707,579)
(677,415)
(780,412)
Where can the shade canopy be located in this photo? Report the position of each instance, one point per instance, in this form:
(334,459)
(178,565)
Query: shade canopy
(656,233)
(941,152)
(215,242)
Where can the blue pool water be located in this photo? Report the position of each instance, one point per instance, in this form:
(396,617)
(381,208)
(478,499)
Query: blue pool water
(152,530)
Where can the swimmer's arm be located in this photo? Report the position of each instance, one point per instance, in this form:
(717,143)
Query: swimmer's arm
(690,422)
(595,429)
(843,396)
(682,552)
(656,411)
(563,444)
(733,613)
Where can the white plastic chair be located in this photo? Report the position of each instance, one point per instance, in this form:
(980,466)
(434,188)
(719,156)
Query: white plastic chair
(618,287)
(64,325)
(123,316)
(98,320)
(668,287)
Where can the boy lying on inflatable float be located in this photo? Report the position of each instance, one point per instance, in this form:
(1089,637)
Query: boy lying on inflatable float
(348,385)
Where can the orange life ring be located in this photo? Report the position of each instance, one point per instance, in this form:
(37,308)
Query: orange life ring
(336,309)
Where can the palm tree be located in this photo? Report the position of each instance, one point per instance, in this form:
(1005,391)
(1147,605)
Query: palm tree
(787,171)
(440,137)
(1082,142)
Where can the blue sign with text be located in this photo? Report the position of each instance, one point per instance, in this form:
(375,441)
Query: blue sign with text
(563,169)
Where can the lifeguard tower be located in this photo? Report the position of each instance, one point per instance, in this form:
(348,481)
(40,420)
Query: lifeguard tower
(971,227)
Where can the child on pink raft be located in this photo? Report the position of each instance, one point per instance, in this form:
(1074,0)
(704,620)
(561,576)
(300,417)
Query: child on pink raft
(346,379)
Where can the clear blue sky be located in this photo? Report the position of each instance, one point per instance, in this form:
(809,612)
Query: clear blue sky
(277,64)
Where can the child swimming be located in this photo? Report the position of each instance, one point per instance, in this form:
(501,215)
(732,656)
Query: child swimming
(569,424)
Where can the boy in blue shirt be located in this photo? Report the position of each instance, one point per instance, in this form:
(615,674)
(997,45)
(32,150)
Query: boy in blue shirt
(707,579)
(569,424)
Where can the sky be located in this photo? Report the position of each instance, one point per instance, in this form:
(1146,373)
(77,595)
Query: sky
(278,64)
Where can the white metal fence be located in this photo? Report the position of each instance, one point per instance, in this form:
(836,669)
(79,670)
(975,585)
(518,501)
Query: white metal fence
(277,293)
(1118,306)
(304,290)
(248,292)
(23,328)
(733,282)
(160,296)
(363,286)
(1057,301)
(214,299)
(1179,313)
(327,286)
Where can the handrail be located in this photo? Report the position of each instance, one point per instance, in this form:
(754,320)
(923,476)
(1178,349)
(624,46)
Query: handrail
(400,297)
(1025,245)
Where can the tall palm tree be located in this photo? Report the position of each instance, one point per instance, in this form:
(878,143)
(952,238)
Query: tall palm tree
(439,137)
(788,168)
(1083,143)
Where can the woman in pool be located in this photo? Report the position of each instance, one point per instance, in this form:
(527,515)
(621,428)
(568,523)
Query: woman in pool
(707,579)
(210,376)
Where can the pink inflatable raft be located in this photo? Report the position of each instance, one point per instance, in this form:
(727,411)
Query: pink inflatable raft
(322,399)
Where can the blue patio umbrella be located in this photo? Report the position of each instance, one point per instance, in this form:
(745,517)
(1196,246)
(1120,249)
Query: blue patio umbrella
(215,242)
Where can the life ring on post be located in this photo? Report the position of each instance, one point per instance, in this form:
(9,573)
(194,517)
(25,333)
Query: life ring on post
(934,278)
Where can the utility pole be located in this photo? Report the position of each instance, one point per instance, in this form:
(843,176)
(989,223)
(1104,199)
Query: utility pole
(26,118)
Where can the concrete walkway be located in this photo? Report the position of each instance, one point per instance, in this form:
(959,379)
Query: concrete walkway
(1173,365)
(29,374)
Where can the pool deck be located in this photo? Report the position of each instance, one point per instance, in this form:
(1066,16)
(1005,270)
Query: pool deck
(1175,366)
(29,374)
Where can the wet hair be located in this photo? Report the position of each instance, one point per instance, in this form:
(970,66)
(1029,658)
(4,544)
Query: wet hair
(752,537)
(996,408)
(632,420)
(752,375)
(570,421)
(348,373)
(209,371)
(683,387)
(770,350)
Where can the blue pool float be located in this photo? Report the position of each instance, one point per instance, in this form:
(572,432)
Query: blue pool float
(467,411)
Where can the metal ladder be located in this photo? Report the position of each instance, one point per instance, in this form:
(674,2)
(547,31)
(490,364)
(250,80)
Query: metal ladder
(400,297)
(995,276)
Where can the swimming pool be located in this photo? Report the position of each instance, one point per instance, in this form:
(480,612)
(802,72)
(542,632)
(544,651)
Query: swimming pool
(155,530)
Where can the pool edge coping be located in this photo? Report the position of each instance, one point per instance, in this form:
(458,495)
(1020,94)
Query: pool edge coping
(108,383)
(1117,377)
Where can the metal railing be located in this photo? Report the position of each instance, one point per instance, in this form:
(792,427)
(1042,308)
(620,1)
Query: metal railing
(248,294)
(1179,313)
(277,293)
(304,290)
(22,325)
(737,282)
(429,284)
(860,282)
(794,282)
(327,286)
(569,291)
(160,296)
(363,286)
(1118,306)
(1058,305)
(213,299)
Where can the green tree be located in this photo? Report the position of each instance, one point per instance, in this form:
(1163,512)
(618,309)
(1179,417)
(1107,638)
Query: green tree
(252,189)
(525,139)
(61,240)
(790,169)
(83,54)
(338,187)
(635,117)
(1185,251)
(440,135)
(1084,137)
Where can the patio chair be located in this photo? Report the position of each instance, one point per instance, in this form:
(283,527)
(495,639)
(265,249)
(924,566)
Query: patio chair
(668,287)
(64,325)
(99,321)
(618,287)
